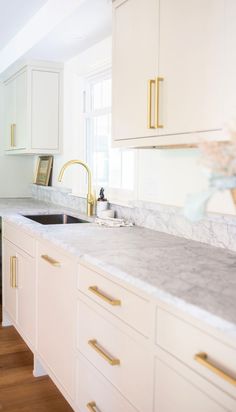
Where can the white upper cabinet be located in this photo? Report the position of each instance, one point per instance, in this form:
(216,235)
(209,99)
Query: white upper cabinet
(33,109)
(167,71)
(135,61)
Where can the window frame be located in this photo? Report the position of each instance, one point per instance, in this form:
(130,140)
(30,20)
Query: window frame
(114,194)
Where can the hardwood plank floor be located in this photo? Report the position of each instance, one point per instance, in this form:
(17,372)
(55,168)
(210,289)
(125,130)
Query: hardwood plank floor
(20,391)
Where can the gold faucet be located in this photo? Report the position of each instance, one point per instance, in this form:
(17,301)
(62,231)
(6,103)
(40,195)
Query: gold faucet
(90,197)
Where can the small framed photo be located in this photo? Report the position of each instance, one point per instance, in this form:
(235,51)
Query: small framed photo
(43,170)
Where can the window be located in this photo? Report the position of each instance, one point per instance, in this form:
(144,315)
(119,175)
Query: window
(111,168)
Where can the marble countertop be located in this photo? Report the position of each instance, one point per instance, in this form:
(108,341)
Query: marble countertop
(195,277)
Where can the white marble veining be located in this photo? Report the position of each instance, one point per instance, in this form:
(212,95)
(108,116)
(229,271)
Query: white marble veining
(197,278)
(215,229)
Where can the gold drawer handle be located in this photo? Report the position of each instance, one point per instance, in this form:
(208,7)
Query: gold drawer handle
(157,119)
(103,296)
(50,260)
(13,263)
(13,129)
(202,358)
(112,361)
(91,406)
(149,104)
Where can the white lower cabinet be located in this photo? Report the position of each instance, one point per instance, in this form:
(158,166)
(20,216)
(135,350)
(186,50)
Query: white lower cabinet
(176,393)
(19,290)
(56,315)
(95,393)
(121,359)
(82,328)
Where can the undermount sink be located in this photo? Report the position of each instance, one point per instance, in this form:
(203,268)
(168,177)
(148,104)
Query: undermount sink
(60,219)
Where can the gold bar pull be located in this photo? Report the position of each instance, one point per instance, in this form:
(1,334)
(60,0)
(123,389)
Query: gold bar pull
(50,260)
(13,263)
(91,406)
(149,104)
(157,112)
(11,275)
(13,129)
(112,361)
(103,296)
(202,358)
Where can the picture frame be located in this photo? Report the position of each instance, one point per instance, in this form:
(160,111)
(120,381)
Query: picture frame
(43,170)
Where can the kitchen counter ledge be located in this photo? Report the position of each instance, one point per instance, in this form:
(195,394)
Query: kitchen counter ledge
(194,277)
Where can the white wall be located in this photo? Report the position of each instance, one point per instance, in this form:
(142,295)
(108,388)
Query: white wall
(163,176)
(16,172)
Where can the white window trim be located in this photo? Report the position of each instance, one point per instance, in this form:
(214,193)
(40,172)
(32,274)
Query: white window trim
(115,195)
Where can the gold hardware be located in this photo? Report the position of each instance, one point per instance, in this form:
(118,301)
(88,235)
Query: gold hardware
(202,358)
(90,197)
(13,128)
(233,193)
(100,294)
(157,112)
(149,104)
(91,406)
(50,260)
(13,262)
(112,361)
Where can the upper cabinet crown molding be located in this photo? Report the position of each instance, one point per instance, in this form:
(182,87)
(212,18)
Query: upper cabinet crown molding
(33,108)
(168,72)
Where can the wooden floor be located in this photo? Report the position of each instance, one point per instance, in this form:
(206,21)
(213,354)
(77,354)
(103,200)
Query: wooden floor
(19,390)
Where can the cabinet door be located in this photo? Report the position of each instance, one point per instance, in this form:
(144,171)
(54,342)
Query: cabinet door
(190,61)
(56,315)
(26,283)
(45,114)
(135,61)
(175,393)
(10,111)
(9,289)
(21,111)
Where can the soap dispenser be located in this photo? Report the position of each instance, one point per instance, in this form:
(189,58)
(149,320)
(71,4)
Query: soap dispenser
(102,203)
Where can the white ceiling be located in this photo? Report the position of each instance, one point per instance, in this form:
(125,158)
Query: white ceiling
(14,14)
(50,29)
(90,23)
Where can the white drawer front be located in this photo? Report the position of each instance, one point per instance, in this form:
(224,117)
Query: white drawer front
(24,241)
(124,304)
(174,393)
(186,341)
(103,344)
(94,390)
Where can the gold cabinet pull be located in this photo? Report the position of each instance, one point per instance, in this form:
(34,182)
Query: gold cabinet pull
(13,263)
(151,82)
(103,296)
(50,260)
(202,358)
(13,129)
(157,112)
(91,406)
(112,361)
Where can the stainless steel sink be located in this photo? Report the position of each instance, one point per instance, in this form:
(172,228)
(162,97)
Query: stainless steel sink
(60,219)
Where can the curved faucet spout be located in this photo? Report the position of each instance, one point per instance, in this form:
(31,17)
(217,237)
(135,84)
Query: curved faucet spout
(90,197)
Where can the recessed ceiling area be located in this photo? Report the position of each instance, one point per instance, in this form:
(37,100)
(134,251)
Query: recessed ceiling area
(90,23)
(14,14)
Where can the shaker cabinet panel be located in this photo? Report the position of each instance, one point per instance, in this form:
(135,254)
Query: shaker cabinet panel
(56,314)
(135,61)
(45,112)
(9,291)
(21,112)
(174,393)
(19,282)
(191,63)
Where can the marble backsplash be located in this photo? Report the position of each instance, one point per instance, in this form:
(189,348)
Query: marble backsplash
(215,229)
